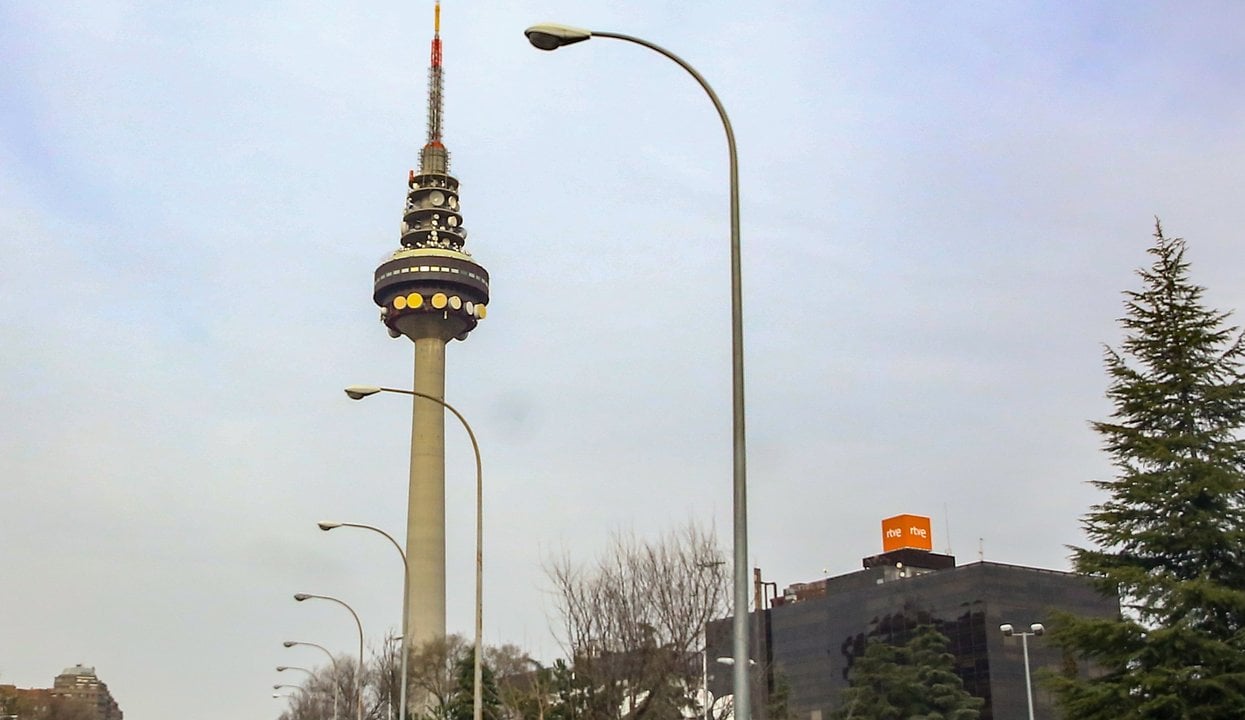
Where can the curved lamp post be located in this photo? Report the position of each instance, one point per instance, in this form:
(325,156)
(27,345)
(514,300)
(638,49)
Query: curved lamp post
(332,662)
(1034,630)
(359,672)
(549,36)
(327,525)
(358,392)
(283,668)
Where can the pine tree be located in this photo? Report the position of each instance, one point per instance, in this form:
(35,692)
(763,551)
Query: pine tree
(1171,536)
(913,681)
(462,702)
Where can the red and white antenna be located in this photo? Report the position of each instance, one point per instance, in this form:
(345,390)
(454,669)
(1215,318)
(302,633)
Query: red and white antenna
(435,158)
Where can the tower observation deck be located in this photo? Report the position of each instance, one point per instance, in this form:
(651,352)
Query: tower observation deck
(432,291)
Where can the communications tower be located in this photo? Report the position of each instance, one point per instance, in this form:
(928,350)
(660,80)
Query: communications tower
(432,291)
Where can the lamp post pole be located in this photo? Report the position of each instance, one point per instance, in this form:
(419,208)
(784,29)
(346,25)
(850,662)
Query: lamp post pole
(327,525)
(359,671)
(550,37)
(1034,630)
(332,662)
(358,392)
(704,678)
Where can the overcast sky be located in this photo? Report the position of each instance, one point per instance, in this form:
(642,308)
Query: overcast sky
(941,205)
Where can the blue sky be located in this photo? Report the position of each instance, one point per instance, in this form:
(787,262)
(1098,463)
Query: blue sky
(941,205)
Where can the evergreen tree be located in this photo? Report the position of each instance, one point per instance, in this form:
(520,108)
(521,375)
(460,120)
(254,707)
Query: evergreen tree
(1171,535)
(462,702)
(778,699)
(913,681)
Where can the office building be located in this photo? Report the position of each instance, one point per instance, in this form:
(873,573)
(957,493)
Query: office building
(807,637)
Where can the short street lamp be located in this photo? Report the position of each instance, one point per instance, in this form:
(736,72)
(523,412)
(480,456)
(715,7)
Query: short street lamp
(358,392)
(549,36)
(332,663)
(1034,630)
(300,597)
(327,525)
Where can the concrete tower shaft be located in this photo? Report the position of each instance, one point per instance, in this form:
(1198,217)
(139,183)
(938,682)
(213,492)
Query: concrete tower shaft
(432,291)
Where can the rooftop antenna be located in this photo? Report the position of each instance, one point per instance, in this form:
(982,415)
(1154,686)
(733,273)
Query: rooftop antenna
(981,549)
(946,525)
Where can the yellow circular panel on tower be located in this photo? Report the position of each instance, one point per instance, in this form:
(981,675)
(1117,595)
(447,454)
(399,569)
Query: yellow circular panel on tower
(455,302)
(439,300)
(481,312)
(399,303)
(414,300)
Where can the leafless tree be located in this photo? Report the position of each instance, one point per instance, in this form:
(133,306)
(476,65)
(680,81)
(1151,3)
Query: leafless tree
(432,677)
(524,686)
(632,622)
(334,687)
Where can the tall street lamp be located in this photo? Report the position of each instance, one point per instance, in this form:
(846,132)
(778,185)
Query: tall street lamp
(551,37)
(332,663)
(358,392)
(1034,630)
(327,525)
(359,672)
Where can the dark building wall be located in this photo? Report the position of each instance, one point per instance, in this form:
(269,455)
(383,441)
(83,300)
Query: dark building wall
(810,644)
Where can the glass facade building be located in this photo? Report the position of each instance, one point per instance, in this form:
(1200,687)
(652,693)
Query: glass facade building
(808,638)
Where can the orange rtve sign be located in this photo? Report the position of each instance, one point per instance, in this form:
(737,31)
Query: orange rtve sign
(906,531)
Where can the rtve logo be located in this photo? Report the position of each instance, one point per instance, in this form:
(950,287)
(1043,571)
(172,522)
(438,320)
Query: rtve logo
(906,531)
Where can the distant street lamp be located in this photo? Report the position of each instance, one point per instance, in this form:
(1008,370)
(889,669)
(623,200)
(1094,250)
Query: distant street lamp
(358,392)
(300,597)
(327,525)
(1034,630)
(332,662)
(549,36)
(283,668)
(306,691)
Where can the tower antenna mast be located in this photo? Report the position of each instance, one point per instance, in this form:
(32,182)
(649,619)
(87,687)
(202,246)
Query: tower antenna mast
(435,158)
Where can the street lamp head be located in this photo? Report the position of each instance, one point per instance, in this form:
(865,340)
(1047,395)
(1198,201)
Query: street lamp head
(327,525)
(1037,629)
(289,643)
(358,392)
(1007,629)
(282,668)
(548,36)
(300,597)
